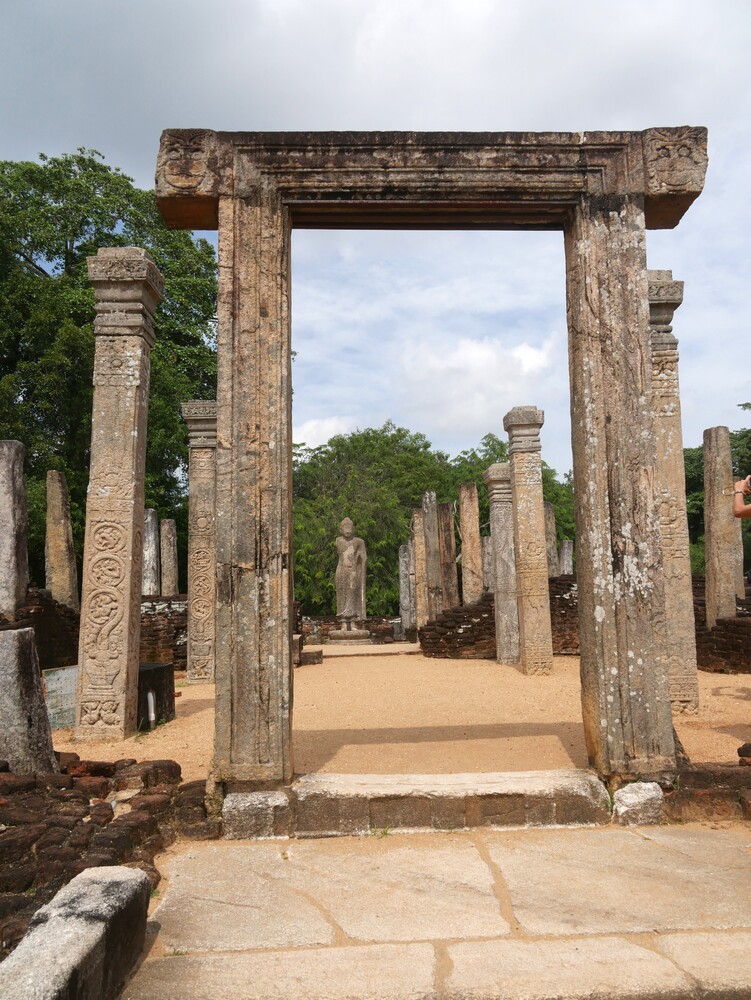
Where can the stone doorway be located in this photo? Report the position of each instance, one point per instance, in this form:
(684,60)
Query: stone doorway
(602,190)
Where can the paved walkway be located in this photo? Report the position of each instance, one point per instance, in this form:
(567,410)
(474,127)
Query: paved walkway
(653,912)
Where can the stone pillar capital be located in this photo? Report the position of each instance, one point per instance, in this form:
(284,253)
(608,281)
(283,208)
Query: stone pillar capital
(200,416)
(498,481)
(665,295)
(127,289)
(523,423)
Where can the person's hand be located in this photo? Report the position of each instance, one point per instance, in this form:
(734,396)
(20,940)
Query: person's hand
(743,485)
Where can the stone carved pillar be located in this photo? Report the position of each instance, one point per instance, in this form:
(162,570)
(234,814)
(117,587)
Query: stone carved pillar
(447,544)
(14,560)
(406,607)
(254,610)
(432,554)
(566,557)
(551,541)
(200,416)
(723,547)
(151,574)
(498,481)
(422,607)
(665,295)
(469,531)
(61,576)
(488,584)
(127,288)
(523,425)
(168,554)
(625,699)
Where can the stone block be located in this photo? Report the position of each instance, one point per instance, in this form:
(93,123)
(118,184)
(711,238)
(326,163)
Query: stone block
(14,561)
(407,812)
(25,738)
(84,942)
(249,815)
(638,804)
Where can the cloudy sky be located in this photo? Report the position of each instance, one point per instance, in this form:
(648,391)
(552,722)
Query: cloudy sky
(441,332)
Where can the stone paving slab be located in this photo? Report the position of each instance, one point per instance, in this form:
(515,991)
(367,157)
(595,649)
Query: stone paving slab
(562,914)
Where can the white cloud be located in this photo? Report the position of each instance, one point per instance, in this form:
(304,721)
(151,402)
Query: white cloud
(315,432)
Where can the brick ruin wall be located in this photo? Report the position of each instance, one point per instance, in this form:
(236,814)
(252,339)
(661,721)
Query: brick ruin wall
(315,629)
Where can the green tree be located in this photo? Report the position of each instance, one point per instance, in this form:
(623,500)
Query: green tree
(53,215)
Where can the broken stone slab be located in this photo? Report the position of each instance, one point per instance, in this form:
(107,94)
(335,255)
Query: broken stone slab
(14,560)
(84,942)
(638,804)
(25,738)
(250,815)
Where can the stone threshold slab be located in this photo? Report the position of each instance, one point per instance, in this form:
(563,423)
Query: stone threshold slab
(331,805)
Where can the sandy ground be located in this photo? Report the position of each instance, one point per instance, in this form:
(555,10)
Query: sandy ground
(388,714)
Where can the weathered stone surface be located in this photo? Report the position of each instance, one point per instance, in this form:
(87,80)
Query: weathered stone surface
(14,561)
(551,540)
(200,416)
(25,738)
(498,481)
(447,550)
(469,532)
(351,573)
(421,570)
(625,698)
(406,587)
(253,187)
(523,425)
(722,532)
(168,552)
(127,289)
(85,941)
(432,554)
(487,564)
(566,557)
(61,575)
(255,814)
(665,295)
(151,555)
(638,804)
(718,961)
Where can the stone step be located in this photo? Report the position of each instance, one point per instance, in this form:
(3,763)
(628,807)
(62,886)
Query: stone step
(333,805)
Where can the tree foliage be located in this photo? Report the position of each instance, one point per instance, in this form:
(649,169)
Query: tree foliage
(53,215)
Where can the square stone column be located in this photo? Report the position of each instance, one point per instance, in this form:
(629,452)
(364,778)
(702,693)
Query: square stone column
(625,699)
(566,555)
(551,540)
(447,545)
(14,529)
(723,544)
(127,289)
(200,416)
(432,554)
(61,575)
(523,425)
(469,532)
(665,295)
(488,582)
(406,598)
(498,481)
(422,607)
(151,573)
(254,614)
(168,556)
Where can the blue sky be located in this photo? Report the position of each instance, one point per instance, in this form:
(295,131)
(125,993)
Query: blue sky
(441,332)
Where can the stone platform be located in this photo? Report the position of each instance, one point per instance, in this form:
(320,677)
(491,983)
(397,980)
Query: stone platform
(564,914)
(331,805)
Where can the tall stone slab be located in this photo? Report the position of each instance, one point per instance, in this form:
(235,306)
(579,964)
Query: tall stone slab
(469,532)
(406,606)
(551,541)
(151,574)
(723,547)
(447,547)
(602,189)
(498,481)
(422,605)
(200,416)
(566,557)
(523,424)
(626,709)
(14,560)
(432,554)
(488,573)
(168,557)
(61,575)
(665,295)
(25,737)
(127,290)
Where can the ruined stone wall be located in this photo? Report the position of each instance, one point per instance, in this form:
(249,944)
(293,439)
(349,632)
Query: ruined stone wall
(55,628)
(315,629)
(727,647)
(164,632)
